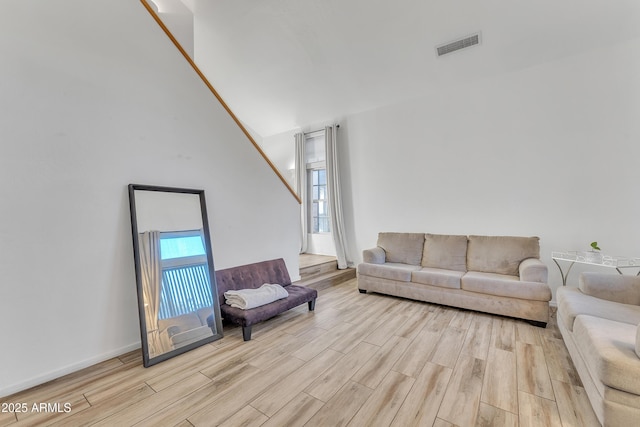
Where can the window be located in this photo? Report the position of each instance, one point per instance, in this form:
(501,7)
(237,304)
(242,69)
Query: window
(182,248)
(319,211)
(317,199)
(185,274)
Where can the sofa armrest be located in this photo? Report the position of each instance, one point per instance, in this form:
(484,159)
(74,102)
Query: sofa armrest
(374,256)
(611,287)
(173,330)
(533,270)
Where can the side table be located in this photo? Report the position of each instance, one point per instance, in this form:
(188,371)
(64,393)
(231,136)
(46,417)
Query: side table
(600,260)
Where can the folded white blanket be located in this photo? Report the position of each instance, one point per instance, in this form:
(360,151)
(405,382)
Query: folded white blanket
(251,298)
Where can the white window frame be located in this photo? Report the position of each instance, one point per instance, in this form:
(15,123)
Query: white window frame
(311,167)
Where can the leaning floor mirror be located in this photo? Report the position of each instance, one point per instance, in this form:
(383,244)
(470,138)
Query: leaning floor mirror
(175,277)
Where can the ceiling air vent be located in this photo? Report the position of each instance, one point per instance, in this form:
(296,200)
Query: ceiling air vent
(458,44)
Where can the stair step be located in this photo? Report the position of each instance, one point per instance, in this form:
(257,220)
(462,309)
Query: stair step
(326,280)
(319,269)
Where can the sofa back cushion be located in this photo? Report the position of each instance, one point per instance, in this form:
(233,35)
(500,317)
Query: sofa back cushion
(612,287)
(402,247)
(500,254)
(445,251)
(252,276)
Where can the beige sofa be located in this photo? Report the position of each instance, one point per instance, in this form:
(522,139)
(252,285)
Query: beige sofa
(493,274)
(599,323)
(187,328)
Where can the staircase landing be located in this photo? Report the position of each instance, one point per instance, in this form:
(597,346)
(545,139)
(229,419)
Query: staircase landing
(321,271)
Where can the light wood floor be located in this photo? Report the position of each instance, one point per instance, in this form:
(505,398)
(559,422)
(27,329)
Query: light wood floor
(309,260)
(358,360)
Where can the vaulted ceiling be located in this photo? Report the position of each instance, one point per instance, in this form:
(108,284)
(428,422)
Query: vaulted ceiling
(284,64)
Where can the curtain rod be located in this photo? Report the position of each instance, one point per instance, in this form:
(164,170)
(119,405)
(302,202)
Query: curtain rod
(318,130)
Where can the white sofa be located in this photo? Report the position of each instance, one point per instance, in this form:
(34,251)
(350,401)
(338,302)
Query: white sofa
(187,328)
(599,323)
(493,274)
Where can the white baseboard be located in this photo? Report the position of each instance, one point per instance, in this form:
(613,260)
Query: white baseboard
(41,379)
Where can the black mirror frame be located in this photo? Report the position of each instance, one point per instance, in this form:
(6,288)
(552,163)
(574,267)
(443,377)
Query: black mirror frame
(147,361)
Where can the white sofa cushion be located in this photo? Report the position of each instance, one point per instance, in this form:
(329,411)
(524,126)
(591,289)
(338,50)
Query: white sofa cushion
(445,251)
(184,322)
(611,287)
(389,270)
(572,302)
(608,350)
(204,314)
(500,254)
(191,335)
(505,286)
(437,277)
(405,248)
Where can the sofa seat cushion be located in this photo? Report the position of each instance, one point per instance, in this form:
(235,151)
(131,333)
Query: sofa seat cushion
(189,336)
(608,350)
(297,295)
(389,270)
(251,276)
(445,251)
(184,322)
(438,277)
(500,254)
(505,286)
(405,248)
(572,302)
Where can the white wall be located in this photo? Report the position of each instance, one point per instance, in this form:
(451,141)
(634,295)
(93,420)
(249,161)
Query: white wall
(93,96)
(321,244)
(281,150)
(179,20)
(550,151)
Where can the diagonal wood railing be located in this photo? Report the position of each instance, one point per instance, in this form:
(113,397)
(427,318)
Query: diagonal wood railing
(218,97)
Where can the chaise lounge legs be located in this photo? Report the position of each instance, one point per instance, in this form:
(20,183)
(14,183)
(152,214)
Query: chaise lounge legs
(246,330)
(246,333)
(362,291)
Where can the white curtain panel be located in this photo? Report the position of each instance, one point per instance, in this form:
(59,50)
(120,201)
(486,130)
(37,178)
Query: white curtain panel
(335,197)
(301,189)
(151,272)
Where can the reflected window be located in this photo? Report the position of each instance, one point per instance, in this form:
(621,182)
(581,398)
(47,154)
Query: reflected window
(185,275)
(182,247)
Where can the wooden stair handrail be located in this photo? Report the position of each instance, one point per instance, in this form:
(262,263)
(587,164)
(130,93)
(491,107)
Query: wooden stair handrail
(218,97)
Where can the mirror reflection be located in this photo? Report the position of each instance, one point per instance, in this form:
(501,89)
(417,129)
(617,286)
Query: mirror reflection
(174,271)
